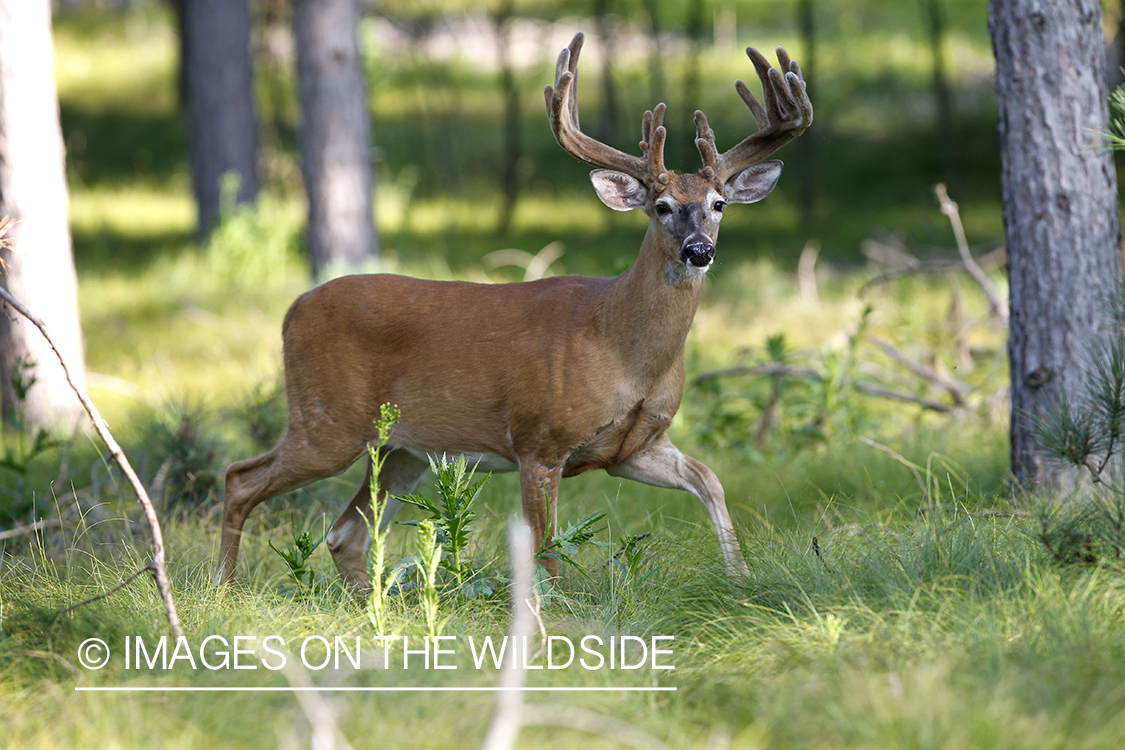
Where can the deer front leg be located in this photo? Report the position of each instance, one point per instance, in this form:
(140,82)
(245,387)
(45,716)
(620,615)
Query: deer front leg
(664,465)
(539,487)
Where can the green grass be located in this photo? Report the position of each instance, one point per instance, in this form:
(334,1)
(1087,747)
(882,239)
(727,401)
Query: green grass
(879,613)
(948,631)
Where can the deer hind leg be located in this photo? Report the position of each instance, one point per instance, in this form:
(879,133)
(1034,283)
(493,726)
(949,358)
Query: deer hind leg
(286,467)
(664,465)
(349,538)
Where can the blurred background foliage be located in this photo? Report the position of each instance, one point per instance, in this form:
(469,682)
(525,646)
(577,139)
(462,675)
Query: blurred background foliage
(182,338)
(900,105)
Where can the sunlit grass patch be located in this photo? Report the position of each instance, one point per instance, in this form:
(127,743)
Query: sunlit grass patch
(136,211)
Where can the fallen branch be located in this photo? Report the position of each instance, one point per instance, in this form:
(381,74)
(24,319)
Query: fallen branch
(944,265)
(114,590)
(958,389)
(31,528)
(157,566)
(997,307)
(774,368)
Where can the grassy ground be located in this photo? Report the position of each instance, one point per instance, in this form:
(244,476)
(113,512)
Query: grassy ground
(885,609)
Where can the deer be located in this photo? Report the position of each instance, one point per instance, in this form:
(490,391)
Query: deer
(552,377)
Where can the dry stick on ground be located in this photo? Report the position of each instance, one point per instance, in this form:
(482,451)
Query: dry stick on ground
(997,306)
(774,368)
(958,389)
(505,728)
(157,565)
(42,523)
(114,590)
(944,265)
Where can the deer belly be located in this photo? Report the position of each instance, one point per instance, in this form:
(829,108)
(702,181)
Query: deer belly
(482,461)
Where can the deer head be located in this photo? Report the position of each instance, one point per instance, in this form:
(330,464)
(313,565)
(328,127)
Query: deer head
(685,209)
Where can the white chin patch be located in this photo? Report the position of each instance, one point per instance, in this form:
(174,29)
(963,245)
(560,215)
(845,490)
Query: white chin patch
(681,273)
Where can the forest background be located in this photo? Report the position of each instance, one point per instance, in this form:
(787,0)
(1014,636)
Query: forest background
(898,599)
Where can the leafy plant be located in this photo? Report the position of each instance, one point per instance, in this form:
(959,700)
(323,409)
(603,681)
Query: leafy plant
(451,515)
(628,560)
(379,597)
(565,543)
(800,401)
(297,555)
(430,560)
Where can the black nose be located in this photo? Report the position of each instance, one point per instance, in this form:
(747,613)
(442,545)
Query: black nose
(699,254)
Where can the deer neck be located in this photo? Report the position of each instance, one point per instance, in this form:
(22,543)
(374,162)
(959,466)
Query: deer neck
(652,305)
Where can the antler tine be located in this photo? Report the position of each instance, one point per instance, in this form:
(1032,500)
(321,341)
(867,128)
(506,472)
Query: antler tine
(783,114)
(705,142)
(653,136)
(562,112)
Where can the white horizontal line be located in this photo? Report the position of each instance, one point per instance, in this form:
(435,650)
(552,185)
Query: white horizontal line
(321,689)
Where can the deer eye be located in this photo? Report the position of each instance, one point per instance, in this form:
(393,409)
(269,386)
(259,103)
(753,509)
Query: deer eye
(719,206)
(663,209)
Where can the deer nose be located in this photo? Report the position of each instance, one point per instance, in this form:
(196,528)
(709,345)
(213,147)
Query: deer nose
(699,254)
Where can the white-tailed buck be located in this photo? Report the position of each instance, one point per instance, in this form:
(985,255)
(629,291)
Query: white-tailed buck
(550,378)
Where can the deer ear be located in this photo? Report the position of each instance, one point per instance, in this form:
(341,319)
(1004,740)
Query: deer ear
(753,183)
(617,190)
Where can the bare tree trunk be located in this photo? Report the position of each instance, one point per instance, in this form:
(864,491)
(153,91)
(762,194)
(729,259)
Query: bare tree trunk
(39,269)
(1060,205)
(807,146)
(656,55)
(510,174)
(942,97)
(335,136)
(610,125)
(692,85)
(217,83)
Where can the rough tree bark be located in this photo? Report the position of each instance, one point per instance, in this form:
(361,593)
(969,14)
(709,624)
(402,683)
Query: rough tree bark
(217,84)
(38,269)
(335,136)
(1060,205)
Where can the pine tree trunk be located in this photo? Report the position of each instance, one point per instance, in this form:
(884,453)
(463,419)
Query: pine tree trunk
(806,147)
(942,97)
(39,269)
(1060,206)
(217,82)
(335,136)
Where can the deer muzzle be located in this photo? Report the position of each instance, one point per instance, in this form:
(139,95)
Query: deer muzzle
(698,252)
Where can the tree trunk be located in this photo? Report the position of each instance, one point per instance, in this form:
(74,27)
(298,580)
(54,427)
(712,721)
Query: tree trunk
(217,83)
(656,52)
(513,152)
(942,97)
(610,128)
(1060,206)
(335,136)
(693,27)
(806,147)
(39,269)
